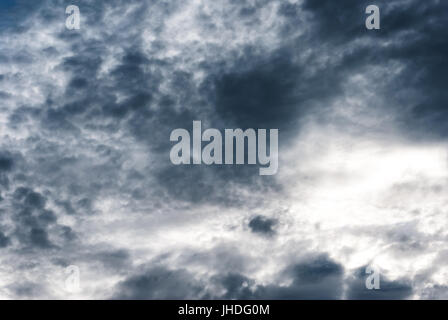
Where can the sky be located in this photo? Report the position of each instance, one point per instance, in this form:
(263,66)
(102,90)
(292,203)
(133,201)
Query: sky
(86,178)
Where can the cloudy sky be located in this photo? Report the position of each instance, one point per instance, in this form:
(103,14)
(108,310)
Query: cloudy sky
(86,179)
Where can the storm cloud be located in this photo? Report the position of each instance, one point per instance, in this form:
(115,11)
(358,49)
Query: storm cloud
(86,179)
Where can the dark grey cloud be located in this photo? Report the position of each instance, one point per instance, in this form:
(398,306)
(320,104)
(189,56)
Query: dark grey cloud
(262,97)
(418,44)
(6,163)
(4,240)
(335,22)
(13,14)
(27,289)
(159,283)
(114,259)
(436,292)
(32,218)
(263,225)
(389,290)
(320,278)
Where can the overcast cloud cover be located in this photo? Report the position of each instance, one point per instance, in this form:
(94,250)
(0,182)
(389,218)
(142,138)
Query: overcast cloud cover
(85,175)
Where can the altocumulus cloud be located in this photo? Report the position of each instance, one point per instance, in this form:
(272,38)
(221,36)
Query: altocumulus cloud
(85,176)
